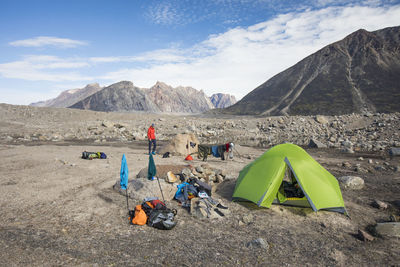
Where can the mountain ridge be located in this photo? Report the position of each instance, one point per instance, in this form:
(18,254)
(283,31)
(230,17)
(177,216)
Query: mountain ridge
(158,98)
(358,74)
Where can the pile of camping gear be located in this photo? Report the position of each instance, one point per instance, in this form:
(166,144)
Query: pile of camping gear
(154,213)
(195,195)
(93,155)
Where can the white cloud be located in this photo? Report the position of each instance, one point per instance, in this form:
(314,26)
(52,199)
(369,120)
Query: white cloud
(42,68)
(234,62)
(240,59)
(41,41)
(164,13)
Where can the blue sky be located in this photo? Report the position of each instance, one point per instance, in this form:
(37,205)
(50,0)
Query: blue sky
(228,46)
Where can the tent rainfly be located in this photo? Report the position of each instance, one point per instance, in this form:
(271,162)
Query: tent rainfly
(275,175)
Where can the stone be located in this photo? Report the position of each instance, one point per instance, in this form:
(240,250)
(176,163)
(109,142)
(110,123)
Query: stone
(258,243)
(107,124)
(380,204)
(316,144)
(346,164)
(352,182)
(171,178)
(199,169)
(186,173)
(364,236)
(321,119)
(347,150)
(388,229)
(248,218)
(394,151)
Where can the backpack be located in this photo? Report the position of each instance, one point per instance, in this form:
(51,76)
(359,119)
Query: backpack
(138,216)
(159,216)
(162,219)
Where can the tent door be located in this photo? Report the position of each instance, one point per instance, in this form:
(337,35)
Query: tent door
(301,186)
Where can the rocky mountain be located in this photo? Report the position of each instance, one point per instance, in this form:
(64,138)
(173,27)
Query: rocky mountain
(222,100)
(124,96)
(359,74)
(69,97)
(179,100)
(121,96)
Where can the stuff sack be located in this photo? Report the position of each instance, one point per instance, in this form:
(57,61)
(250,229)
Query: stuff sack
(138,216)
(103,155)
(162,219)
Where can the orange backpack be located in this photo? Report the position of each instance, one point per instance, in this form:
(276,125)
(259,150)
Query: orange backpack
(140,216)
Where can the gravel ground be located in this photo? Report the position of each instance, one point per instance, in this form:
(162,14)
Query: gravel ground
(58,209)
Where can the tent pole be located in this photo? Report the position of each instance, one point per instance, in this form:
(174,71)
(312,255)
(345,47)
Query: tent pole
(161,190)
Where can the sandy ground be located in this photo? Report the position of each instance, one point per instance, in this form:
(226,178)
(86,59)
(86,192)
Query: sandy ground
(58,209)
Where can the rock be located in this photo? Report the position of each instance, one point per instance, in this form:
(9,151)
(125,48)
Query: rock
(321,119)
(141,188)
(394,151)
(186,173)
(388,229)
(370,161)
(348,150)
(316,144)
(380,204)
(171,178)
(248,218)
(394,218)
(359,169)
(258,243)
(352,182)
(360,159)
(219,178)
(346,164)
(107,124)
(199,169)
(180,145)
(364,236)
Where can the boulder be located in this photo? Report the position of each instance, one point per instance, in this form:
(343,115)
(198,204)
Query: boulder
(388,229)
(171,178)
(258,243)
(316,144)
(139,189)
(394,151)
(352,182)
(107,124)
(364,236)
(380,204)
(180,145)
(321,119)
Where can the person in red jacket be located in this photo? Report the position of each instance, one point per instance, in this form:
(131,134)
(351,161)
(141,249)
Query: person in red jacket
(152,139)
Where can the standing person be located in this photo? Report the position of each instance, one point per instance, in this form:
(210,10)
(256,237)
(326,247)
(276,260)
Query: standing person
(152,139)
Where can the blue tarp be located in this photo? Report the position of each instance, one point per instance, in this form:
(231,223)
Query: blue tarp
(124,173)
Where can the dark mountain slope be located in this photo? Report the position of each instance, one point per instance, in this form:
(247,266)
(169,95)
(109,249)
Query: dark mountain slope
(122,96)
(360,73)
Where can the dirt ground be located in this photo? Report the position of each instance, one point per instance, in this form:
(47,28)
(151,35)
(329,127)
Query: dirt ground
(59,209)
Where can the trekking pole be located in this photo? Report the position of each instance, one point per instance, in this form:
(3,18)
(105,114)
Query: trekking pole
(161,190)
(127,203)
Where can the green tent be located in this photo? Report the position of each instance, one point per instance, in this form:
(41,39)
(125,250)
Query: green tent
(286,174)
